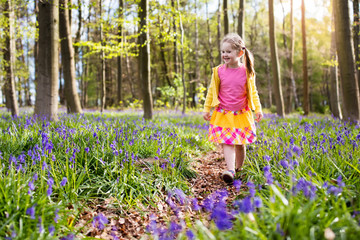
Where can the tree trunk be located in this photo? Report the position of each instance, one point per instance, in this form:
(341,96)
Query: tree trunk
(162,53)
(175,56)
(182,59)
(103,66)
(78,32)
(304,51)
(48,72)
(269,83)
(209,49)
(356,39)
(10,57)
(219,30)
(68,61)
(144,59)
(291,57)
(241,19)
(334,80)
(345,51)
(119,69)
(226,17)
(275,63)
(195,82)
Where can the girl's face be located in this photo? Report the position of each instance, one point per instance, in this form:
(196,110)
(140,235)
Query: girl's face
(229,55)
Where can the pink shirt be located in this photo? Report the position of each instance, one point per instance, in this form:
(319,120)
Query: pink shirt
(232,92)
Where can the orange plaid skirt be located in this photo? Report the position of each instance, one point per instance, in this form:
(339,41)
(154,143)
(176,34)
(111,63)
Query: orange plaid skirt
(232,127)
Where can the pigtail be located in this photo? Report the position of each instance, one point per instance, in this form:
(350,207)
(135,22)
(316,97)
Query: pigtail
(249,62)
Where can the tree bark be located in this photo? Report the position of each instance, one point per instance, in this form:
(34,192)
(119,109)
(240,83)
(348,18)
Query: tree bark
(103,65)
(10,57)
(275,63)
(334,80)
(162,53)
(175,55)
(144,59)
(209,49)
(345,52)
(48,72)
(241,19)
(356,39)
(219,30)
(68,61)
(195,82)
(304,52)
(226,17)
(182,59)
(119,68)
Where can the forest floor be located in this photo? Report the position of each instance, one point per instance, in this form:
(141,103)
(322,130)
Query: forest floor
(131,224)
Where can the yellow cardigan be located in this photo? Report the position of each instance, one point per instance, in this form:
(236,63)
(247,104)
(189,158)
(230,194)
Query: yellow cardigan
(213,92)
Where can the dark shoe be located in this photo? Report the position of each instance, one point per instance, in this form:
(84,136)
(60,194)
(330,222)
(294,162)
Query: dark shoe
(228,176)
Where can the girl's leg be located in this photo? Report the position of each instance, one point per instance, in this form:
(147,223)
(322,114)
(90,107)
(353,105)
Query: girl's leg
(240,154)
(229,155)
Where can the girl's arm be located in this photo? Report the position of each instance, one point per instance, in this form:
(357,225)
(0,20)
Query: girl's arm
(255,96)
(209,95)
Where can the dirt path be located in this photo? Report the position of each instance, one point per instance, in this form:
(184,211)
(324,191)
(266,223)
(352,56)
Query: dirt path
(131,224)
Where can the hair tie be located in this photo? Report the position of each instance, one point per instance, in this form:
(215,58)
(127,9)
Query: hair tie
(243,48)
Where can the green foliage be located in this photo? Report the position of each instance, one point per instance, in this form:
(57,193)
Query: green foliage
(99,155)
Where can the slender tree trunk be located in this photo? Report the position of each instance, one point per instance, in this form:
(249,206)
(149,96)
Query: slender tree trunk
(305,72)
(130,77)
(291,57)
(162,53)
(175,56)
(48,72)
(119,68)
(144,59)
(275,63)
(269,83)
(219,30)
(68,61)
(78,32)
(334,80)
(195,82)
(356,39)
(212,64)
(241,19)
(9,57)
(226,17)
(103,64)
(182,59)
(345,52)
(36,48)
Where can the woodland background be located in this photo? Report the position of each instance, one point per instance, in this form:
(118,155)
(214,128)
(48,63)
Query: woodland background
(154,54)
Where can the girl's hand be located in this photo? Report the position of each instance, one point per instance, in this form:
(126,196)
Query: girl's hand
(258,116)
(206,116)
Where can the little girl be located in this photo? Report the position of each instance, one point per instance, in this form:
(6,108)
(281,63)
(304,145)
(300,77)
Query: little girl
(233,94)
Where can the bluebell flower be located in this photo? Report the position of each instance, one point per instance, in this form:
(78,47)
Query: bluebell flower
(195,205)
(31,185)
(257,202)
(279,230)
(56,218)
(246,205)
(190,235)
(63,182)
(237,184)
(99,221)
(180,195)
(251,187)
(70,236)
(284,163)
(31,212)
(51,229)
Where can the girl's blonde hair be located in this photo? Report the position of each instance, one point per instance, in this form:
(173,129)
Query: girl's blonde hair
(238,44)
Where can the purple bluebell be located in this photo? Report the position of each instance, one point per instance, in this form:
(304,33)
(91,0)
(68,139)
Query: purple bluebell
(284,163)
(99,221)
(251,187)
(279,230)
(31,212)
(195,205)
(63,182)
(190,235)
(51,229)
(257,202)
(180,195)
(237,184)
(70,236)
(246,205)
(56,218)
(31,185)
